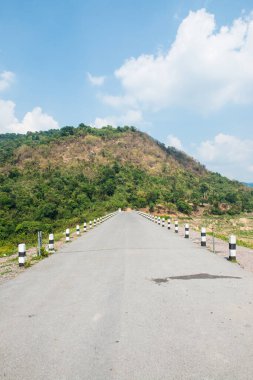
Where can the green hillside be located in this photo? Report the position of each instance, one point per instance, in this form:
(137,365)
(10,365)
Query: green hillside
(51,179)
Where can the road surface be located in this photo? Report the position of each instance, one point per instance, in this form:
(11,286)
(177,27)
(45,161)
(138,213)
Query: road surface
(128,301)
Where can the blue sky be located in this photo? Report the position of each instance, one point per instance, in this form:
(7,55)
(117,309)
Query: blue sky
(180,70)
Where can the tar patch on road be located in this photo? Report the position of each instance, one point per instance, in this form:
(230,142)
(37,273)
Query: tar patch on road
(159,281)
(198,276)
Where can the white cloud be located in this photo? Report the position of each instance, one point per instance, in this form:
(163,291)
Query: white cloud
(174,141)
(131,117)
(95,81)
(6,79)
(118,101)
(204,69)
(36,120)
(7,115)
(228,155)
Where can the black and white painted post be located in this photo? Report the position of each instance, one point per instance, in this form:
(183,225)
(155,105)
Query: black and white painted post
(67,235)
(21,255)
(156,219)
(95,222)
(203,237)
(169,223)
(232,248)
(159,220)
(163,222)
(186,231)
(90,224)
(51,242)
(85,227)
(176,226)
(77,229)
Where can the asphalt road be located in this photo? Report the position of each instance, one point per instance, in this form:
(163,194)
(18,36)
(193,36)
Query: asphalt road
(107,307)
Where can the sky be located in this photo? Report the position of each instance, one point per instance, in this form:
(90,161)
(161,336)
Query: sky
(181,71)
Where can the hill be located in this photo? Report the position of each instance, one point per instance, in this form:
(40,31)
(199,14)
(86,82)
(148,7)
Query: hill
(54,178)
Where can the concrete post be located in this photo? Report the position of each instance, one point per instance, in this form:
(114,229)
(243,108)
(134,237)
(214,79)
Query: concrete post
(203,237)
(186,231)
(232,248)
(51,242)
(21,255)
(176,226)
(67,235)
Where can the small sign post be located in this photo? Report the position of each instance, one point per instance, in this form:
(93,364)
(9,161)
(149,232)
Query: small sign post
(39,242)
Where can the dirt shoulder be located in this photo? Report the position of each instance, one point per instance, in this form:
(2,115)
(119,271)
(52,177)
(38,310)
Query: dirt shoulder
(9,267)
(244,255)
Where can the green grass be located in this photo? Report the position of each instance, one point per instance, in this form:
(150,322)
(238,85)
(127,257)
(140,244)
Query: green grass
(7,250)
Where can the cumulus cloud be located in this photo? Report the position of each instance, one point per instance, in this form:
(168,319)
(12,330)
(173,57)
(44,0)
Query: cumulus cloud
(174,141)
(6,79)
(36,120)
(131,117)
(7,115)
(95,81)
(229,155)
(204,69)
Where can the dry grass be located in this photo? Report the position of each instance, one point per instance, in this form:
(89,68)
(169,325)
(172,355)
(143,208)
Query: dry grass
(132,148)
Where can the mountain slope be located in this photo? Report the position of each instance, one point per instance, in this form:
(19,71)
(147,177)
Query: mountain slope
(50,179)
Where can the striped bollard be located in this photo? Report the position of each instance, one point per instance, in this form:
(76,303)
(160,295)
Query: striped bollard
(90,224)
(84,227)
(21,255)
(159,220)
(95,222)
(67,235)
(78,229)
(163,222)
(203,237)
(168,224)
(176,226)
(51,242)
(155,219)
(232,248)
(186,231)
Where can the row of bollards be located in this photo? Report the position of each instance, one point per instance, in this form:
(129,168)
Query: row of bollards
(161,221)
(22,247)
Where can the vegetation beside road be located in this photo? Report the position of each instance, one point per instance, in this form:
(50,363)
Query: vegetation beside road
(55,179)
